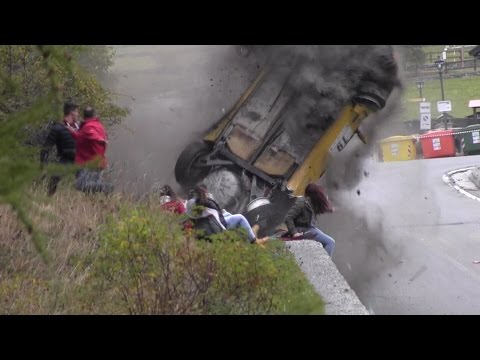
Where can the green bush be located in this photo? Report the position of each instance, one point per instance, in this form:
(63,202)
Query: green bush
(145,264)
(124,257)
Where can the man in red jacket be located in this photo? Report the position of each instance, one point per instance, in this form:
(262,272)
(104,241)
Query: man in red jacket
(91,140)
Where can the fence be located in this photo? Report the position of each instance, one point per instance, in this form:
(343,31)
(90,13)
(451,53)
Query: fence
(468,66)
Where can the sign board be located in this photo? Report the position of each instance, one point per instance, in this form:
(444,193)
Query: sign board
(437,145)
(425,121)
(474,104)
(394,149)
(444,106)
(425,108)
(476,137)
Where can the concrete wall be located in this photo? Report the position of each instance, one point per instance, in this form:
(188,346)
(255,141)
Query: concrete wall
(323,274)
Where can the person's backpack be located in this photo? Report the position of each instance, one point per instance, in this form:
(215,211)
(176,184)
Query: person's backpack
(206,226)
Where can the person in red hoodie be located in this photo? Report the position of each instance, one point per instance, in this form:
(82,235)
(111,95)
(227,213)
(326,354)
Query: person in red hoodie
(91,140)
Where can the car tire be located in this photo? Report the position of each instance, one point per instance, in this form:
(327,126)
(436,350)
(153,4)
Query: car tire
(185,173)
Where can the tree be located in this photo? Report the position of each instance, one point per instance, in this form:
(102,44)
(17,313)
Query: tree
(34,82)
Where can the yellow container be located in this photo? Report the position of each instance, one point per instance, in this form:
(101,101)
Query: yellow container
(399,148)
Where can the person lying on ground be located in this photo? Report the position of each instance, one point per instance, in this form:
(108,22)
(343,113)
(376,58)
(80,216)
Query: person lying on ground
(227,221)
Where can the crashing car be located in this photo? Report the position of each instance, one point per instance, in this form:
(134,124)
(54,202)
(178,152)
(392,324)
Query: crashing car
(273,142)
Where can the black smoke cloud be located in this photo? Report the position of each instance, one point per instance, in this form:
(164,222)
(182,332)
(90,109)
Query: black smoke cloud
(326,77)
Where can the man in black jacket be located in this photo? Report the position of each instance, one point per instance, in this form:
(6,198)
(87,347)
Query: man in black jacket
(61,137)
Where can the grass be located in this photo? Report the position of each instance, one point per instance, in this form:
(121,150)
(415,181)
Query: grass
(458,90)
(114,255)
(70,221)
(433,48)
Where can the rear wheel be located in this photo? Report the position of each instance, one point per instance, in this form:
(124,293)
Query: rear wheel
(187,171)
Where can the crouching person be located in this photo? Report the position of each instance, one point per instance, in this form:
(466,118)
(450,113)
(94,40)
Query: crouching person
(301,217)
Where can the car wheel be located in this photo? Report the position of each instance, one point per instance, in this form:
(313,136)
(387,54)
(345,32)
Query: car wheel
(186,173)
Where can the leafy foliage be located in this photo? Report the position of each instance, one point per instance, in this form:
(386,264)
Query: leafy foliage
(34,82)
(147,265)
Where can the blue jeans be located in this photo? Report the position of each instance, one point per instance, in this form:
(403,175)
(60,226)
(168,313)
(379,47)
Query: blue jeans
(238,220)
(317,235)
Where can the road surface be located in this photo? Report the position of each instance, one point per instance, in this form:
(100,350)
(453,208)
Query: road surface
(406,242)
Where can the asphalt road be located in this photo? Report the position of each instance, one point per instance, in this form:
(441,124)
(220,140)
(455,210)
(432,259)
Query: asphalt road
(406,241)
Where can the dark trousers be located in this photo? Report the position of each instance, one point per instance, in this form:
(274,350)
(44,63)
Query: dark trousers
(91,181)
(52,184)
(55,179)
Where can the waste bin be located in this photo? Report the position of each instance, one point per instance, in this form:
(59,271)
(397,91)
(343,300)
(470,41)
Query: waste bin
(470,139)
(438,143)
(398,148)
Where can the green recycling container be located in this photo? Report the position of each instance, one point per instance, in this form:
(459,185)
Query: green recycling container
(469,139)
